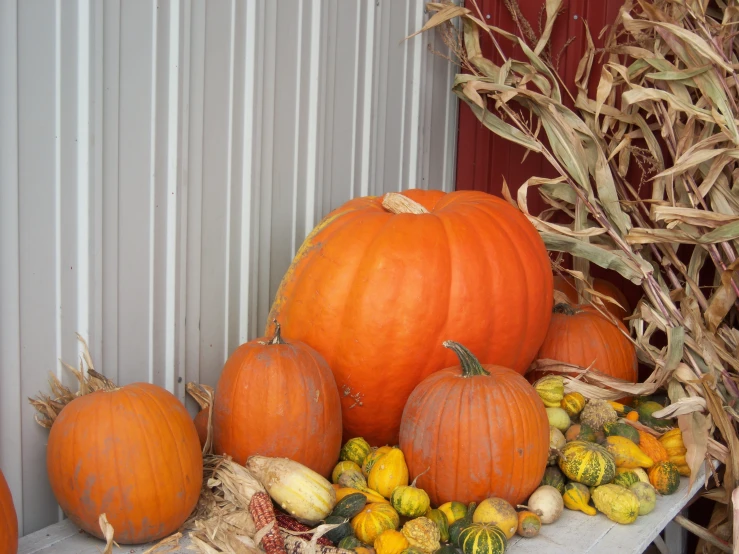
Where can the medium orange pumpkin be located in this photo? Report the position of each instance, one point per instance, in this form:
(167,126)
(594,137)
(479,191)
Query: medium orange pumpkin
(278,399)
(8,519)
(580,335)
(131,453)
(602,286)
(481,431)
(381,279)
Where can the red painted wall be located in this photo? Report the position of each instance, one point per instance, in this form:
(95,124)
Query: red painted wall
(482,157)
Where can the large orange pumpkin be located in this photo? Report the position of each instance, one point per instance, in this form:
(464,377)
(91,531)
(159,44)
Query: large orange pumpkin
(381,281)
(602,286)
(279,399)
(580,335)
(8,519)
(480,430)
(131,453)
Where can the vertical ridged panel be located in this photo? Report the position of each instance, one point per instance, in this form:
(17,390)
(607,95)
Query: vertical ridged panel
(12,407)
(163,161)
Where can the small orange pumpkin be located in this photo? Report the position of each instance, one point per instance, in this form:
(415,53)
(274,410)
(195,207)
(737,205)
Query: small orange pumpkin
(529,524)
(602,286)
(580,335)
(133,435)
(8,519)
(516,448)
(274,397)
(665,477)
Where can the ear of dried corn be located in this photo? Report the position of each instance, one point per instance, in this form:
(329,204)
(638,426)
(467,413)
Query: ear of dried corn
(665,110)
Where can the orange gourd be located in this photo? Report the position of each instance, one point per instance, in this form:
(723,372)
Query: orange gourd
(132,453)
(602,286)
(481,431)
(8,519)
(278,398)
(651,446)
(580,335)
(380,279)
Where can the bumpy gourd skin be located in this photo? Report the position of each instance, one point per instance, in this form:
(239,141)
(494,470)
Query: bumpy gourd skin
(619,504)
(376,293)
(587,463)
(422,533)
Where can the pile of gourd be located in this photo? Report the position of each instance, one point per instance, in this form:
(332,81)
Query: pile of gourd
(609,453)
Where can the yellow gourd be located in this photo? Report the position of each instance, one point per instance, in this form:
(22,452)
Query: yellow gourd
(576,497)
(390,542)
(675,448)
(626,453)
(372,457)
(371,496)
(343,467)
(617,503)
(498,512)
(388,472)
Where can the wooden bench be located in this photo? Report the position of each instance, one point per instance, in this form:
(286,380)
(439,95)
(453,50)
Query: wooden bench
(574,533)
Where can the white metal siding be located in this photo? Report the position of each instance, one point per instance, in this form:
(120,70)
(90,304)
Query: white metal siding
(160,163)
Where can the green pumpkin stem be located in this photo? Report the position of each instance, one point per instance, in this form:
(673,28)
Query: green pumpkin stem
(470,365)
(563,308)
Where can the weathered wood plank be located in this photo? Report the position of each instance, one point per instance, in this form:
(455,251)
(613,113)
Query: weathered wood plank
(574,533)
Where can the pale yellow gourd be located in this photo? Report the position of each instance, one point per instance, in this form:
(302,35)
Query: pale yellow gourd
(617,503)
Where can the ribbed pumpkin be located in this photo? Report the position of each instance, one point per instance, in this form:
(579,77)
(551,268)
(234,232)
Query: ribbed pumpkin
(134,435)
(379,279)
(8,519)
(664,477)
(483,538)
(506,459)
(581,335)
(373,520)
(602,286)
(587,463)
(274,398)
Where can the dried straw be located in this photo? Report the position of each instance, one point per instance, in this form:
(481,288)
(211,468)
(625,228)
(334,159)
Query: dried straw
(666,109)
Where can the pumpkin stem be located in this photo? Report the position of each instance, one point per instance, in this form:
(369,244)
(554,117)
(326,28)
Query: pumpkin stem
(413,484)
(563,308)
(470,365)
(396,203)
(277,339)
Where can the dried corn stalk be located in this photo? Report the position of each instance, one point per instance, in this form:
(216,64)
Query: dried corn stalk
(648,166)
(48,407)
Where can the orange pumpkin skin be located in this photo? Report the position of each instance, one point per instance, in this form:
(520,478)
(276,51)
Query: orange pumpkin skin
(8,519)
(278,399)
(375,292)
(479,436)
(580,335)
(599,285)
(132,454)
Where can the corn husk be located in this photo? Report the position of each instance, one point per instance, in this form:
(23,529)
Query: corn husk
(665,110)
